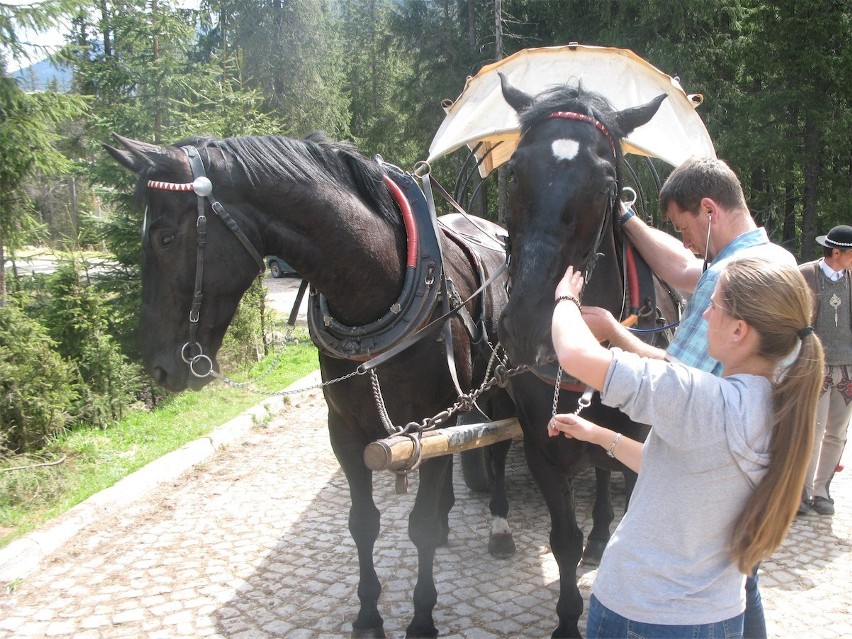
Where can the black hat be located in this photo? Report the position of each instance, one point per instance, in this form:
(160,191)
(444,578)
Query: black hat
(839,237)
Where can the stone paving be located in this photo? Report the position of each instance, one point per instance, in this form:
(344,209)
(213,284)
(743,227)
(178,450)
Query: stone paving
(253,544)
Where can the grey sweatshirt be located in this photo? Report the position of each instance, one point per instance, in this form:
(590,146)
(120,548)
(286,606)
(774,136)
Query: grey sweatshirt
(668,561)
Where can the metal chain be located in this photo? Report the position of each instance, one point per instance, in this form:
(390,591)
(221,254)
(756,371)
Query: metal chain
(584,401)
(380,403)
(465,401)
(556,391)
(285,339)
(494,357)
(342,378)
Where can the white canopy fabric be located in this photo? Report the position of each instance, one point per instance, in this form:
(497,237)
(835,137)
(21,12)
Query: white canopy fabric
(480,114)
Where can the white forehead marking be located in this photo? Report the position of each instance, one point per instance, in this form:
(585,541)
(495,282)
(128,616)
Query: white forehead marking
(565,149)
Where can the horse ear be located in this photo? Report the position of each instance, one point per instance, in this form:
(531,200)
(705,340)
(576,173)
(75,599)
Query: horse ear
(634,117)
(138,155)
(123,158)
(516,98)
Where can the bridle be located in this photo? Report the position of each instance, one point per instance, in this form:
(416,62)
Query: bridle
(609,206)
(191,351)
(594,255)
(592,259)
(582,117)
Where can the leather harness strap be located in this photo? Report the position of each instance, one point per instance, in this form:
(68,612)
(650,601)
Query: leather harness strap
(191,352)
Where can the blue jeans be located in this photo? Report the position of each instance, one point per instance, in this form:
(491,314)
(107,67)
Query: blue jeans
(603,623)
(754,624)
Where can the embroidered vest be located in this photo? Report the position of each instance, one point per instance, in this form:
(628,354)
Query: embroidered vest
(832,316)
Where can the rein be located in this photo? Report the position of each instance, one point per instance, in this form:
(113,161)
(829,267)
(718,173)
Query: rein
(191,352)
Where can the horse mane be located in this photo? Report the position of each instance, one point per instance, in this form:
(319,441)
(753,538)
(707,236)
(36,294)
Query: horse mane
(270,159)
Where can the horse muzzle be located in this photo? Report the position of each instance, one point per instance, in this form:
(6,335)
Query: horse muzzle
(184,370)
(526,336)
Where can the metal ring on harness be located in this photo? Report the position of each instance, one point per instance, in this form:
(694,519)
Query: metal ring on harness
(187,358)
(416,455)
(201,358)
(419,169)
(629,203)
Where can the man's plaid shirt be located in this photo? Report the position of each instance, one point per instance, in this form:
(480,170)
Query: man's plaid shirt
(689,345)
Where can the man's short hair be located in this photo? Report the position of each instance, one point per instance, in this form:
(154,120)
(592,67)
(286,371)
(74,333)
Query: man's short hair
(698,178)
(828,251)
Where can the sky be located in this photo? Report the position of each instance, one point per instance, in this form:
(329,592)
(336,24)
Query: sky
(54,38)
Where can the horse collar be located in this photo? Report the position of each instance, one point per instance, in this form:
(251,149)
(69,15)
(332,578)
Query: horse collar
(419,294)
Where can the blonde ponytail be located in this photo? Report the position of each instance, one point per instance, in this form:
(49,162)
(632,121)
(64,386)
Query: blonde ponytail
(775,301)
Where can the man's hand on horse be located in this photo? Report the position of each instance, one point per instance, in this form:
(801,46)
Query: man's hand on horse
(601,322)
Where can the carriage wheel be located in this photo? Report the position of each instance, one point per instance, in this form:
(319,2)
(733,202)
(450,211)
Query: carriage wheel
(476,463)
(476,469)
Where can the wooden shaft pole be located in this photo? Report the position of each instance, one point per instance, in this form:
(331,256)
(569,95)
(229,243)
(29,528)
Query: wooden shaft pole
(393,453)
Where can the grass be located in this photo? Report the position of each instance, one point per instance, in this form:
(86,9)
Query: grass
(95,459)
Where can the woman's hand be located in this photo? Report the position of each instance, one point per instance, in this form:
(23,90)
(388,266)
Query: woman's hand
(573,427)
(571,284)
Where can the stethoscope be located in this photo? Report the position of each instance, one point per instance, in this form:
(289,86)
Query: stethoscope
(707,243)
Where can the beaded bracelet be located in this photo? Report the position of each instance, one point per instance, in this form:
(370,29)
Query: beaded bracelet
(570,298)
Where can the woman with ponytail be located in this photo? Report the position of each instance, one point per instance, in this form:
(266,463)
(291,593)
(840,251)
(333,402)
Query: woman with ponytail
(721,473)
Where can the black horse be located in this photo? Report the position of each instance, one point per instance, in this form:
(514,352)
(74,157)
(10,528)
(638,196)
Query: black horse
(214,207)
(565,181)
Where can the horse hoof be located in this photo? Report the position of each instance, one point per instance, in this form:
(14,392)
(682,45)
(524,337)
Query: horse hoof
(567,631)
(425,633)
(501,546)
(368,633)
(593,552)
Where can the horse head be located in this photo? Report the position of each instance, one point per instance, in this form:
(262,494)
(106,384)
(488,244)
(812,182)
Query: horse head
(564,184)
(194,269)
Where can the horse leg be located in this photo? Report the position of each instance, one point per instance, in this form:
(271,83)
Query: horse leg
(501,544)
(426,529)
(566,538)
(602,516)
(364,523)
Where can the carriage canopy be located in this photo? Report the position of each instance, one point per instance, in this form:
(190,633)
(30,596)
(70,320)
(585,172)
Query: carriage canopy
(481,115)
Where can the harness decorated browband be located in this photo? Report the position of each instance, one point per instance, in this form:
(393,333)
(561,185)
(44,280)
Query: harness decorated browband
(191,352)
(581,117)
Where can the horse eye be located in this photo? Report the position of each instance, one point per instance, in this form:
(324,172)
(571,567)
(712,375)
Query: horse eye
(167,239)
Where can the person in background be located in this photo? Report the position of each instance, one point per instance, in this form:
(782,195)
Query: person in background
(721,471)
(831,285)
(704,201)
